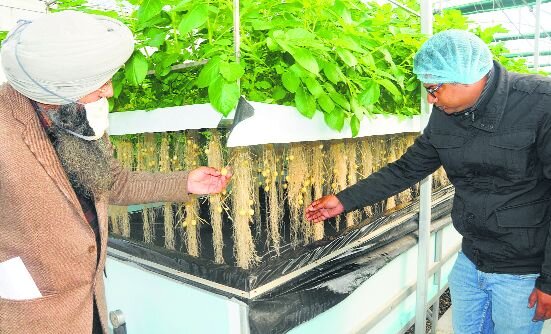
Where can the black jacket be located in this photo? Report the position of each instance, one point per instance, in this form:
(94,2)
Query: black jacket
(499,160)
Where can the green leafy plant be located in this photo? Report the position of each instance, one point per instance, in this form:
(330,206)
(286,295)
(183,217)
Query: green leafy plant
(3,35)
(344,58)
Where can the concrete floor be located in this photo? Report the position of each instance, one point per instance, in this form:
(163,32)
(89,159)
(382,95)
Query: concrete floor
(445,324)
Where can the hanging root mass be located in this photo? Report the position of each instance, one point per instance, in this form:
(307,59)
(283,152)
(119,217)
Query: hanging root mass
(243,186)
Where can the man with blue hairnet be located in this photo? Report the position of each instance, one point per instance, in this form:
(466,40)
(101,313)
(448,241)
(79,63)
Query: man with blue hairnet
(490,130)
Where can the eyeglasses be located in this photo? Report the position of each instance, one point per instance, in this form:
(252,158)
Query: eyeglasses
(434,89)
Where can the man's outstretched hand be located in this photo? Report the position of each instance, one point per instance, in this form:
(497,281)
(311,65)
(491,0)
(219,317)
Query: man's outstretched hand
(207,180)
(324,208)
(542,301)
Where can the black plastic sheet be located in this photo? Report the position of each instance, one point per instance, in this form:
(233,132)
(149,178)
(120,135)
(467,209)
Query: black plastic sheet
(299,298)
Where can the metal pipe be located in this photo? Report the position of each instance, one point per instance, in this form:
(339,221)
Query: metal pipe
(490,5)
(183,66)
(404,7)
(236,30)
(516,37)
(537,38)
(424,200)
(237,34)
(526,54)
(401,295)
(437,279)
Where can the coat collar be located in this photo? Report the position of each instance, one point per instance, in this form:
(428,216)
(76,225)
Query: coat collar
(39,144)
(489,116)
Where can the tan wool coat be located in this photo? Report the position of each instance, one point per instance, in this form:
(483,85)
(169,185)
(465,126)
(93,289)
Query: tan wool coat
(41,221)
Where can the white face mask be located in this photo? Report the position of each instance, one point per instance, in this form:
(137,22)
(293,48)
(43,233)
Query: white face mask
(97,115)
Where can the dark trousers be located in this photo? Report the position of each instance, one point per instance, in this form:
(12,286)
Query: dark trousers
(96,324)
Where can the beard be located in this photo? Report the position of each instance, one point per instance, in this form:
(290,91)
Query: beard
(85,162)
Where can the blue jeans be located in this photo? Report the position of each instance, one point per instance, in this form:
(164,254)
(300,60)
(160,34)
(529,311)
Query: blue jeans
(491,303)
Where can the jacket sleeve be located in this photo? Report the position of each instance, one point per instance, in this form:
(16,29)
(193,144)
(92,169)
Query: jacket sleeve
(144,187)
(543,144)
(420,160)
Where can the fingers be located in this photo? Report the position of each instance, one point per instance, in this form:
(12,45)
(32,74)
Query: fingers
(542,301)
(318,215)
(320,203)
(211,171)
(315,217)
(540,313)
(227,171)
(225,174)
(313,206)
(532,299)
(546,315)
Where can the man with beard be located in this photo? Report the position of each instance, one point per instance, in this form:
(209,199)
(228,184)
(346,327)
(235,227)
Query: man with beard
(57,174)
(490,129)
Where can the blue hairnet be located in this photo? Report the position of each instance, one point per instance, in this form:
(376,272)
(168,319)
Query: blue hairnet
(456,56)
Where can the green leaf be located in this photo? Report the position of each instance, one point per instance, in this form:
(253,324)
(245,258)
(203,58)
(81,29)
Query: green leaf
(169,59)
(162,19)
(263,84)
(194,19)
(354,125)
(279,93)
(341,9)
(313,86)
(290,81)
(384,74)
(272,46)
(117,86)
(371,93)
(148,9)
(347,57)
(305,103)
(349,43)
(305,59)
(368,60)
(326,103)
(136,68)
(231,71)
(164,64)
(329,87)
(335,119)
(209,73)
(224,95)
(398,76)
(156,37)
(340,100)
(182,6)
(387,56)
(358,110)
(299,71)
(412,84)
(391,88)
(332,72)
(258,24)
(299,33)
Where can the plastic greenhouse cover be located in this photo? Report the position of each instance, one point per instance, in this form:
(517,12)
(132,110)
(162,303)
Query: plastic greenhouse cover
(285,291)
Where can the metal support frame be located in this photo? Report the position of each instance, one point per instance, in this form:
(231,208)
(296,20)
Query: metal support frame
(526,54)
(425,200)
(490,5)
(516,37)
(435,269)
(537,38)
(437,280)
